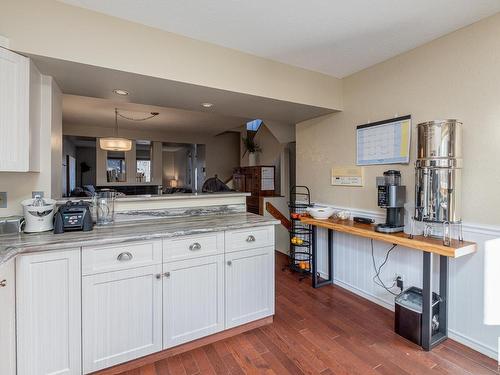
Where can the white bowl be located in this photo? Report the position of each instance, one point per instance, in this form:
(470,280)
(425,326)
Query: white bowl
(320,212)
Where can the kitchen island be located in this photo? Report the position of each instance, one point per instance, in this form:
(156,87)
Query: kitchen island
(137,290)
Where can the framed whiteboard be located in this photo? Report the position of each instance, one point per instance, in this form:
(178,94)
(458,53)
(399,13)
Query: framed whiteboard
(384,142)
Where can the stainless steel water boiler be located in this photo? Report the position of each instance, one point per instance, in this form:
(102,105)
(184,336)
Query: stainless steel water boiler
(438,172)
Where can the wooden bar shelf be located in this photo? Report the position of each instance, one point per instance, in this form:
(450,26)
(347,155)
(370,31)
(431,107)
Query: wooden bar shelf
(430,245)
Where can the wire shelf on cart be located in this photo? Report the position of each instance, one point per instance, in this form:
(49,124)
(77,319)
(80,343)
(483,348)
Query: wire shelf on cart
(300,234)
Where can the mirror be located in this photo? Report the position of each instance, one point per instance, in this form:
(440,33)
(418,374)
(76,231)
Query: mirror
(143,157)
(151,167)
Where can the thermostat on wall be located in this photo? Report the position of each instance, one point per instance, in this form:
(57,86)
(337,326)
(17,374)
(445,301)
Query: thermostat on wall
(347,176)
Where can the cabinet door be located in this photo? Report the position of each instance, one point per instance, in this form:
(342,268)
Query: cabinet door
(249,285)
(48,313)
(193,299)
(8,319)
(14,113)
(121,316)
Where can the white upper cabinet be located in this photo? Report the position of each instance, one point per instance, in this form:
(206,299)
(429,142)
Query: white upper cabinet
(20,113)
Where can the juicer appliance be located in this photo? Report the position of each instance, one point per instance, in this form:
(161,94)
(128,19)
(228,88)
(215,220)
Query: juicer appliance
(38,214)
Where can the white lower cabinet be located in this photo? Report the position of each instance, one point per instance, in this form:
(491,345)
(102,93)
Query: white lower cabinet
(249,285)
(48,294)
(193,299)
(122,316)
(7,319)
(123,303)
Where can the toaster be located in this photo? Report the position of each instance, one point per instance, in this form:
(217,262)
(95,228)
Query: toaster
(73,216)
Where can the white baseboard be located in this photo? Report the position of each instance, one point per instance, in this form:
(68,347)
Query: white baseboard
(484,229)
(473,344)
(478,232)
(370,297)
(454,335)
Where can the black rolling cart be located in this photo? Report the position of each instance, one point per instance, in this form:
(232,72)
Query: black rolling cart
(300,234)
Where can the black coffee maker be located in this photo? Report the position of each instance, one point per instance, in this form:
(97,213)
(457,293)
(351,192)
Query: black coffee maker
(391,196)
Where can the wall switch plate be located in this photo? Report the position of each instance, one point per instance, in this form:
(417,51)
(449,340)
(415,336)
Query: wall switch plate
(3,199)
(347,176)
(40,193)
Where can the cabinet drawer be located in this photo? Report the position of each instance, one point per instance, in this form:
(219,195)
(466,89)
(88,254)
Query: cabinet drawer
(193,246)
(249,238)
(97,259)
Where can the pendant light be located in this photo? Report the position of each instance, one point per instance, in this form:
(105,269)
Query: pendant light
(115,143)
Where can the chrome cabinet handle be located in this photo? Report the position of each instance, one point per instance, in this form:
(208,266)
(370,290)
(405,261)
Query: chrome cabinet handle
(251,238)
(3,283)
(195,246)
(125,256)
(160,275)
(229,263)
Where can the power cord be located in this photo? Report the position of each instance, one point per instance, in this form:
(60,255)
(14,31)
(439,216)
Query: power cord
(376,279)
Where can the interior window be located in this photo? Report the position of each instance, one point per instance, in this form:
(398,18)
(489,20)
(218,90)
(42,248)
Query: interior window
(116,168)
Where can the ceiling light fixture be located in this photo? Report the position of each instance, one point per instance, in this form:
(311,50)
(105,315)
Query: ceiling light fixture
(120,92)
(207,105)
(115,143)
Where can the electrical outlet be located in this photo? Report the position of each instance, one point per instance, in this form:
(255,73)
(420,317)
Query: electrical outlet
(3,199)
(34,193)
(399,282)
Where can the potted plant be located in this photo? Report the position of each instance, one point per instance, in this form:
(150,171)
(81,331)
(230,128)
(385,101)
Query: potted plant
(252,148)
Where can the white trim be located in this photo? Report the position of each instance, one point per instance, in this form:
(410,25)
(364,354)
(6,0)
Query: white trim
(370,297)
(4,42)
(472,229)
(473,344)
(484,229)
(452,334)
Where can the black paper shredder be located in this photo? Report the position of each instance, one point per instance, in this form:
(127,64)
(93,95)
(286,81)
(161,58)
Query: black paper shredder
(408,314)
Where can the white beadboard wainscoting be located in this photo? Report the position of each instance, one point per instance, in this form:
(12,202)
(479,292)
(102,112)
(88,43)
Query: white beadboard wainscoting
(353,270)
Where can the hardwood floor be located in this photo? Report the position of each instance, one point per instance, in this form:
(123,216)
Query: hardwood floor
(323,331)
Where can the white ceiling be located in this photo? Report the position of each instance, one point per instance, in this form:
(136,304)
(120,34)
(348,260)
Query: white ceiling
(91,81)
(336,37)
(95,112)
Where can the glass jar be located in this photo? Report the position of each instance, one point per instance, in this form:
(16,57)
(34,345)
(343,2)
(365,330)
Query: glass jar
(105,207)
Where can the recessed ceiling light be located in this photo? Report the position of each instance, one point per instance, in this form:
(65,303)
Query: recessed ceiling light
(207,105)
(120,92)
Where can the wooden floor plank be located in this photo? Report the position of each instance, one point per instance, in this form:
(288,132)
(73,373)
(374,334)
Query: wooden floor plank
(175,366)
(215,360)
(189,363)
(202,361)
(326,331)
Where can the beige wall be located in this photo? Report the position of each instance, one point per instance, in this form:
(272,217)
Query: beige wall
(222,155)
(54,29)
(456,76)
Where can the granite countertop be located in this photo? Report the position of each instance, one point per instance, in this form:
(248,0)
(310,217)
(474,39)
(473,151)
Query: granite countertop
(12,245)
